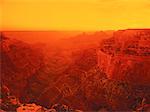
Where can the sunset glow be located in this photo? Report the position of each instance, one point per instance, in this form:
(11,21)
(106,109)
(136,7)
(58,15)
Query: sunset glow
(74,14)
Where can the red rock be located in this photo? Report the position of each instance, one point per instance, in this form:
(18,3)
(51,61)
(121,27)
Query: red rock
(126,56)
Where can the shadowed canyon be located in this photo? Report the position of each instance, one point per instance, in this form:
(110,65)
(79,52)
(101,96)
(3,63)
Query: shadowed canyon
(60,71)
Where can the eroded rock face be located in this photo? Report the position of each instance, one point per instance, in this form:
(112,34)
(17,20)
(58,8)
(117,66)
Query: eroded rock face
(126,56)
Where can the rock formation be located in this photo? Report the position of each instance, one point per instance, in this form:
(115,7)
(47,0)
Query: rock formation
(126,56)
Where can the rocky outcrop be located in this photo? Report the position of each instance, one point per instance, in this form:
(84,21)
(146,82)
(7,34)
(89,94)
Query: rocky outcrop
(10,103)
(126,56)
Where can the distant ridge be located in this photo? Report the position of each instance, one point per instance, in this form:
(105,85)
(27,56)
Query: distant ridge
(135,29)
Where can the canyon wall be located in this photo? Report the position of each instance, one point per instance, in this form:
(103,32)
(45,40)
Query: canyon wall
(126,56)
(71,76)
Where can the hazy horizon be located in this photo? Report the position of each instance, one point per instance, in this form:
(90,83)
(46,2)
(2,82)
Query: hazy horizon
(83,15)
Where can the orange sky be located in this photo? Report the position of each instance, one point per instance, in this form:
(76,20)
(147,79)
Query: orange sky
(74,14)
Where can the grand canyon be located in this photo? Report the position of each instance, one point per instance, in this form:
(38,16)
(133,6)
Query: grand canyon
(75,71)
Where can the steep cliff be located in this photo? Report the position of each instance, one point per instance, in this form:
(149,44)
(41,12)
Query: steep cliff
(126,56)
